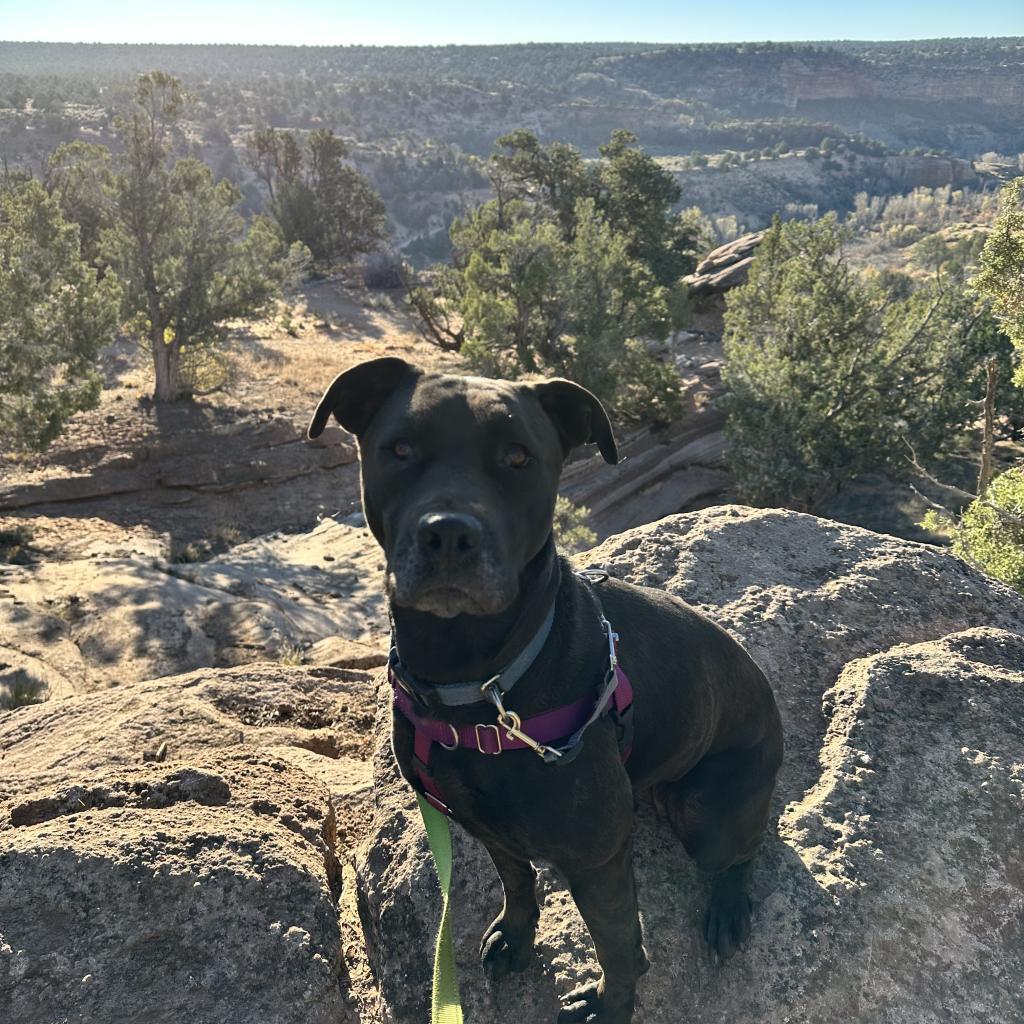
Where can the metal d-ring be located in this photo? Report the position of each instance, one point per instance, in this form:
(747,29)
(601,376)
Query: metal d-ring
(455,738)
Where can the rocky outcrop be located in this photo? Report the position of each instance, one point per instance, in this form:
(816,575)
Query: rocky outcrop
(914,834)
(892,886)
(725,267)
(930,171)
(223,459)
(172,850)
(660,471)
(88,623)
(201,847)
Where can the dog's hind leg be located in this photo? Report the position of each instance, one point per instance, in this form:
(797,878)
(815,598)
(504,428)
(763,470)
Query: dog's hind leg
(507,945)
(606,898)
(720,809)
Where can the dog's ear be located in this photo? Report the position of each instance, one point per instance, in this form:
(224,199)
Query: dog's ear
(578,416)
(355,395)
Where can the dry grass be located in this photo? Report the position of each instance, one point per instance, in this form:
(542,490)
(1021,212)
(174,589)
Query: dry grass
(19,689)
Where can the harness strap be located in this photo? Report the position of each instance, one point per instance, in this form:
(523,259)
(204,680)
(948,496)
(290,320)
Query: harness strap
(489,738)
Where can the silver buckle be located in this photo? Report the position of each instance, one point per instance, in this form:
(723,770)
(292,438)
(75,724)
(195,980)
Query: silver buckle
(497,736)
(455,738)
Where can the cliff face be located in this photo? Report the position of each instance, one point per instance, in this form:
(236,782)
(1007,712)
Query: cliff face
(803,81)
(929,171)
(773,75)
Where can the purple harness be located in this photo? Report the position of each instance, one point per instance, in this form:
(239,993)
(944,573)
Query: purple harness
(540,733)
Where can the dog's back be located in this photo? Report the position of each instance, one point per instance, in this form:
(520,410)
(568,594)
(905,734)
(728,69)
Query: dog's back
(697,691)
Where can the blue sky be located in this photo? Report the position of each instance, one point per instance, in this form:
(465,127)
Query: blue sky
(338,22)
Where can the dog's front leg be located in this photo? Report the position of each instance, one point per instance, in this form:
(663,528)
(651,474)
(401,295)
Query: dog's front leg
(508,944)
(606,898)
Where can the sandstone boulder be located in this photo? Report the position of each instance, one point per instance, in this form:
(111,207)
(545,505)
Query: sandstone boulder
(172,850)
(732,252)
(892,888)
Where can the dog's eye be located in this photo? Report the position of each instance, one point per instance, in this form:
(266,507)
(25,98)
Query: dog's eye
(401,449)
(517,456)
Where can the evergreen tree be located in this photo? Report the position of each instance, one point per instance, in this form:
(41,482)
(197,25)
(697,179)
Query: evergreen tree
(315,196)
(990,533)
(568,270)
(55,315)
(1001,277)
(832,375)
(176,241)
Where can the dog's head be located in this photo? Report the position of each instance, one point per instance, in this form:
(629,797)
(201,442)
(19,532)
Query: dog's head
(459,475)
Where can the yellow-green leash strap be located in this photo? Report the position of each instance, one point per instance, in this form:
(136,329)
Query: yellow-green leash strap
(445,1004)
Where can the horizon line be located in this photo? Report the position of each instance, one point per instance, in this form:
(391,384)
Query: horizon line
(529,42)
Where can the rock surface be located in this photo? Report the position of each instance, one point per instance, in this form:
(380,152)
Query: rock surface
(170,850)
(725,267)
(180,848)
(893,888)
(227,458)
(931,171)
(89,623)
(662,471)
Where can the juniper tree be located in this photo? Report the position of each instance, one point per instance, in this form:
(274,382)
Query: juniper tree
(571,269)
(832,374)
(315,196)
(55,315)
(187,260)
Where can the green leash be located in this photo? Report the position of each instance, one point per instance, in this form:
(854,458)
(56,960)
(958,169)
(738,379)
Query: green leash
(445,1004)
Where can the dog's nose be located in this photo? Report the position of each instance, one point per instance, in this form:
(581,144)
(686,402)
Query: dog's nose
(450,535)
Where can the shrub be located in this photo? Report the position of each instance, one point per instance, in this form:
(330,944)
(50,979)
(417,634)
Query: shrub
(15,545)
(991,530)
(383,269)
(18,689)
(572,531)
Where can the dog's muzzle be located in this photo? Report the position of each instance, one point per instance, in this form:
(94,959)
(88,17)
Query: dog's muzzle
(448,565)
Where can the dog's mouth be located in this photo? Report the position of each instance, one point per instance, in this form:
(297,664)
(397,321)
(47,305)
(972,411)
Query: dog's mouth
(478,590)
(443,600)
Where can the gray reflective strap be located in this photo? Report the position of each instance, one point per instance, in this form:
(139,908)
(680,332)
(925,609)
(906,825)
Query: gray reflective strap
(458,694)
(611,681)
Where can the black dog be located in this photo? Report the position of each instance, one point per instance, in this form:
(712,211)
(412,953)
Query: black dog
(459,477)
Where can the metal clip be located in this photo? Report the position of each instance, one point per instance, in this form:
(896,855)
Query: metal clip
(613,659)
(492,693)
(512,723)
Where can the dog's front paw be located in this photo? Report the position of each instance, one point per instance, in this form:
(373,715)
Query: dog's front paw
(505,950)
(589,1003)
(727,926)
